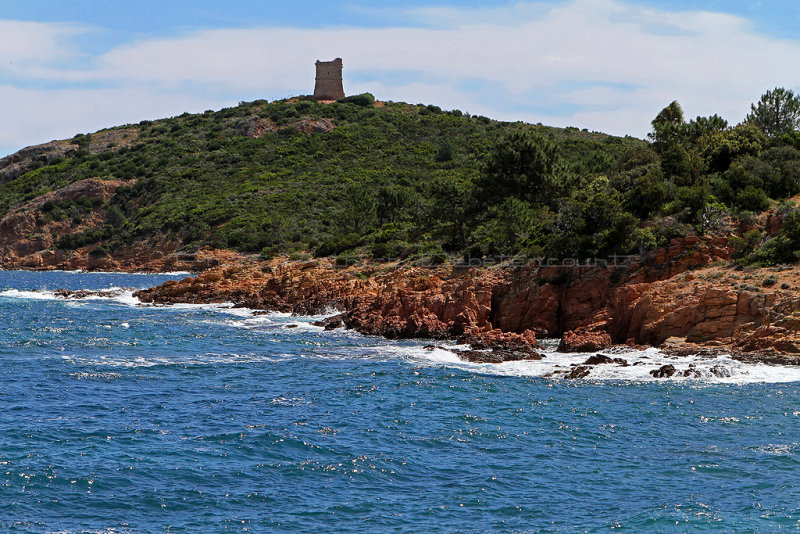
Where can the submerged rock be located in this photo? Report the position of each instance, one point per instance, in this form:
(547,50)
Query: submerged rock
(598,359)
(498,353)
(84,293)
(581,371)
(721,371)
(331,323)
(692,372)
(665,371)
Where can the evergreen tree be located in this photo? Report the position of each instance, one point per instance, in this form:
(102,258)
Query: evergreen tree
(776,113)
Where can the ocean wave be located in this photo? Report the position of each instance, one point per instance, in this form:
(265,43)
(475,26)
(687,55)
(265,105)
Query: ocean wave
(132,362)
(119,295)
(117,273)
(28,295)
(640,365)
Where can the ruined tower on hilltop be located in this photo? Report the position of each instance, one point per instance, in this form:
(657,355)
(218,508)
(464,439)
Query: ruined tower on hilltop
(329,80)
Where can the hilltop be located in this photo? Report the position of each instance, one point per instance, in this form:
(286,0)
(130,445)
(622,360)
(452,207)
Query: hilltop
(263,178)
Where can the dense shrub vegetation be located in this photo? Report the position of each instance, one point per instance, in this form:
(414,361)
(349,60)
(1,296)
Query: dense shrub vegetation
(400,180)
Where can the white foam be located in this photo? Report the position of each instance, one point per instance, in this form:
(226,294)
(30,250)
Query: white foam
(28,295)
(244,317)
(132,362)
(700,369)
(123,273)
(116,294)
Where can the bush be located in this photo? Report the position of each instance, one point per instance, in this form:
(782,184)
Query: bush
(430,255)
(689,203)
(742,246)
(268,252)
(100,252)
(389,250)
(365,100)
(784,247)
(338,244)
(752,199)
(299,256)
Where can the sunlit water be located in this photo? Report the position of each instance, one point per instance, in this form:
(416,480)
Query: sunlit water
(116,416)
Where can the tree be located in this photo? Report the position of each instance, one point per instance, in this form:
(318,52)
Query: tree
(591,222)
(777,113)
(391,201)
(448,208)
(720,149)
(524,165)
(668,127)
(358,209)
(507,228)
(701,126)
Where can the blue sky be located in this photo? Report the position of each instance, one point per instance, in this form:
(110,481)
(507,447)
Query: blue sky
(606,65)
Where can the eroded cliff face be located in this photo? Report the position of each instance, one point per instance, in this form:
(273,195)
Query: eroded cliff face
(30,234)
(679,298)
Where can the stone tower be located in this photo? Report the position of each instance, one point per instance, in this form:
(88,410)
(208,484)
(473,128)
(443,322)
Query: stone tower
(329,80)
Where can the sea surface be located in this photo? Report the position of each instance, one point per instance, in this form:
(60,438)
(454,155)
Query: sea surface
(122,417)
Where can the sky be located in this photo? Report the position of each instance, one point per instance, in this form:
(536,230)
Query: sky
(605,65)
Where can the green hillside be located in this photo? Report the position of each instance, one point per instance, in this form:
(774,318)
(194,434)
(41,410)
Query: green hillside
(406,180)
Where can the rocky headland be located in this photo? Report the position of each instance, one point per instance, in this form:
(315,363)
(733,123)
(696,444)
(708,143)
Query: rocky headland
(685,298)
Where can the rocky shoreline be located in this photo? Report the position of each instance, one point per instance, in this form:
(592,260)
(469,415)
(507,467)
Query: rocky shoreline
(685,298)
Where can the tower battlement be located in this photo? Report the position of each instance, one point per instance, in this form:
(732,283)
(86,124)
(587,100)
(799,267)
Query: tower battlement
(328,84)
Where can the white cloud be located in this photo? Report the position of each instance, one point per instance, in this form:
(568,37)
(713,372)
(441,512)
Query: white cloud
(25,47)
(607,65)
(43,115)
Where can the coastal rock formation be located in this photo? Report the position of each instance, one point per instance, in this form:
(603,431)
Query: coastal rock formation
(427,307)
(586,339)
(665,371)
(581,371)
(600,359)
(27,233)
(498,353)
(709,308)
(331,323)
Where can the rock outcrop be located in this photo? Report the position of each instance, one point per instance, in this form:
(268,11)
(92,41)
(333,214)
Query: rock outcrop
(28,235)
(709,308)
(665,371)
(587,339)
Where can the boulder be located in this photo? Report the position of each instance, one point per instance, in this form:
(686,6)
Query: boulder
(584,340)
(580,371)
(665,371)
(499,352)
(331,323)
(598,359)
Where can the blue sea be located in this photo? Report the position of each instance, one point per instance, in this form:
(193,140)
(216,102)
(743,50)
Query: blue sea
(122,417)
